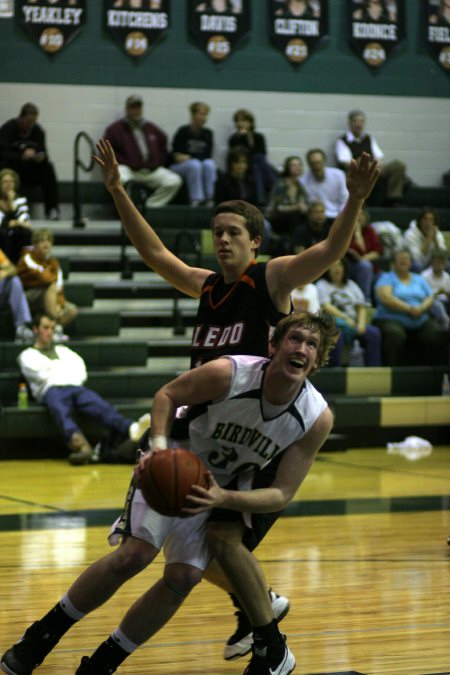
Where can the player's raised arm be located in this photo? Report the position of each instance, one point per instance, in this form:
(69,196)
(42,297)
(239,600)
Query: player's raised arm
(209,382)
(287,272)
(152,250)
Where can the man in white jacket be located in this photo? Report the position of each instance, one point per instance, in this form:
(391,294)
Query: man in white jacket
(56,376)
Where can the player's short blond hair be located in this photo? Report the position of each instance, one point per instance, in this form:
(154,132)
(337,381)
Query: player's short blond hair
(321,323)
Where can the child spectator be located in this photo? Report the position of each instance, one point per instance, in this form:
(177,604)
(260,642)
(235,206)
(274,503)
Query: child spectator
(42,279)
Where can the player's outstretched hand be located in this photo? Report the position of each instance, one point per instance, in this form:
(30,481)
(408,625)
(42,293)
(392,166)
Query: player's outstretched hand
(362,176)
(202,499)
(106,160)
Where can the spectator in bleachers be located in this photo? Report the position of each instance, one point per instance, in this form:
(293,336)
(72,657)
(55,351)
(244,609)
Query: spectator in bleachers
(439,281)
(306,298)
(404,299)
(192,148)
(141,150)
(325,183)
(364,250)
(236,182)
(423,237)
(246,136)
(315,228)
(56,375)
(23,148)
(12,296)
(355,141)
(288,203)
(42,279)
(343,299)
(15,224)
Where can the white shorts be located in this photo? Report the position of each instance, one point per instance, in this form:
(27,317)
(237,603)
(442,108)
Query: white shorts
(183,540)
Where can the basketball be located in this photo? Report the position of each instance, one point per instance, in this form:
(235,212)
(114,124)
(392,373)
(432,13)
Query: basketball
(166,477)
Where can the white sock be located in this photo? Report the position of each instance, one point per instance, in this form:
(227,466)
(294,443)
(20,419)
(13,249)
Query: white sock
(70,609)
(124,642)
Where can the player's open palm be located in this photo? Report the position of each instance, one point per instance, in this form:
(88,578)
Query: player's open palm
(362,176)
(106,160)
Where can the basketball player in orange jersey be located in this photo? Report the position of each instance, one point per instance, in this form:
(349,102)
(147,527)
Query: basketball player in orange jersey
(261,291)
(239,308)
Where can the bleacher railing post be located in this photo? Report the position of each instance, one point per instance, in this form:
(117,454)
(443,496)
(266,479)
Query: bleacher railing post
(78,220)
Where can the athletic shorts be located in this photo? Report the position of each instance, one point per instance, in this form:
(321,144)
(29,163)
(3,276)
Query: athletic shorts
(183,540)
(256,524)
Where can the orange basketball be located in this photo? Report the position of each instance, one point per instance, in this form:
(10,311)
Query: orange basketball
(166,477)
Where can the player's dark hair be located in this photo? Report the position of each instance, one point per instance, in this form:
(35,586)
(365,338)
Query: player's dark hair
(321,323)
(254,219)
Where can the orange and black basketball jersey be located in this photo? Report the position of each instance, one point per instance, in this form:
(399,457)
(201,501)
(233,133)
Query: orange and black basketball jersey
(234,318)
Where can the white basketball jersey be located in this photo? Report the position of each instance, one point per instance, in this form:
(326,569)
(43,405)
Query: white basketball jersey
(232,436)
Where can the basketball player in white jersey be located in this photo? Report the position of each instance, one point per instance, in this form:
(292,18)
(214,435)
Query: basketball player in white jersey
(258,408)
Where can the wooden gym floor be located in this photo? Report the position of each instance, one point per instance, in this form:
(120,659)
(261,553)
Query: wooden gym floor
(362,555)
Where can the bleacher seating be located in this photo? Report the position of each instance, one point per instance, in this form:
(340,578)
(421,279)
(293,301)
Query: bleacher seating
(125,332)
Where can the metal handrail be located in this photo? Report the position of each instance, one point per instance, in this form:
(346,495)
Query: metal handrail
(178,325)
(78,221)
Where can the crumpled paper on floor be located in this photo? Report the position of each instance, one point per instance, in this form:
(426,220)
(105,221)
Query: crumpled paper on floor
(412,448)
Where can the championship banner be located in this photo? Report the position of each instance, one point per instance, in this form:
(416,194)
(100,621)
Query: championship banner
(217,26)
(137,24)
(51,23)
(438,31)
(297,26)
(376,28)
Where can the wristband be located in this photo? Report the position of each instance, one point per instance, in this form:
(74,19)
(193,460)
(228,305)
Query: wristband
(158,441)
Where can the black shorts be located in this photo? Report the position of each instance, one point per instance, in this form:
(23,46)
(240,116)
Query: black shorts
(261,522)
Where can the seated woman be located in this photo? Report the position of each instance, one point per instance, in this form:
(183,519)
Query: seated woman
(342,298)
(410,335)
(364,249)
(423,237)
(15,224)
(245,136)
(12,295)
(288,201)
